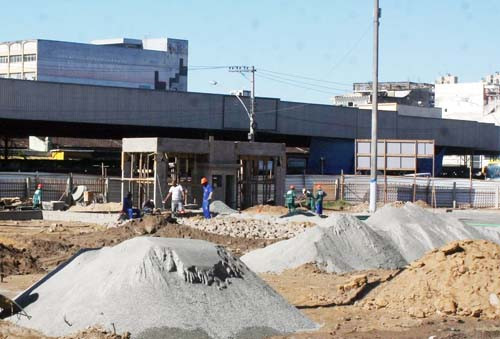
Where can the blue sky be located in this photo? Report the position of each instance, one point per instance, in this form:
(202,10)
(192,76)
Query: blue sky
(329,40)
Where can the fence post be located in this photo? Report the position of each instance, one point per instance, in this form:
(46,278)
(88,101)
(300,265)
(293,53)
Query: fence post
(337,189)
(28,187)
(454,195)
(342,183)
(497,197)
(106,189)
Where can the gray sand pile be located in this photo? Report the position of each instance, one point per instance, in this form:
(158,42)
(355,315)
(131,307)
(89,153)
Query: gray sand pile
(159,288)
(219,207)
(415,230)
(341,243)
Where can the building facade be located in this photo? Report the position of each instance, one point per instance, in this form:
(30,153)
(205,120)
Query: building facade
(148,63)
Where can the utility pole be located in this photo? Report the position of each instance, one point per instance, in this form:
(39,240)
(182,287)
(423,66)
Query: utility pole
(251,114)
(373,149)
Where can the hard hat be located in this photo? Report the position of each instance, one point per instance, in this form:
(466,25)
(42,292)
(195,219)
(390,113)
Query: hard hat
(39,185)
(204,180)
(292,187)
(318,186)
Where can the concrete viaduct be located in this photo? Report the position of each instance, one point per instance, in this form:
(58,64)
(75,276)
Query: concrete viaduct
(55,109)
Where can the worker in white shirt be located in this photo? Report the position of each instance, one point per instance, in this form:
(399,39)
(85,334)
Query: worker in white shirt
(176,192)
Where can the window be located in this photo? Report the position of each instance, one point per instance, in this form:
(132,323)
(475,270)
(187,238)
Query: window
(29,57)
(29,75)
(4,59)
(15,76)
(16,58)
(3,75)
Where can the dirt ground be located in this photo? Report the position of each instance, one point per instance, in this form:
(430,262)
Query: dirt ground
(333,301)
(28,249)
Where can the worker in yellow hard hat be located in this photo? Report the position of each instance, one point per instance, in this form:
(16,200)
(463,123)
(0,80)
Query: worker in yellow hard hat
(207,196)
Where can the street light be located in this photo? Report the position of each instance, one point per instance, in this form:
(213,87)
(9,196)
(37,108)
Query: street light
(251,117)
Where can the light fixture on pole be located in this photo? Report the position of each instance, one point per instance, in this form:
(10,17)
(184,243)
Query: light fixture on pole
(251,114)
(373,148)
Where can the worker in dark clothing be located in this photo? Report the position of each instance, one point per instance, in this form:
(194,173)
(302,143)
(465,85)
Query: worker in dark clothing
(320,195)
(128,209)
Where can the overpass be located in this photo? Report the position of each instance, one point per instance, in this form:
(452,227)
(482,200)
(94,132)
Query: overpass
(56,109)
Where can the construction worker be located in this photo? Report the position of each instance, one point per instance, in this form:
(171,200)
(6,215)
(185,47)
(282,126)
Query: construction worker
(38,196)
(290,199)
(177,193)
(207,196)
(320,195)
(309,198)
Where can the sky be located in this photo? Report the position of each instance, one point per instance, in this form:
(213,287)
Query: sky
(305,51)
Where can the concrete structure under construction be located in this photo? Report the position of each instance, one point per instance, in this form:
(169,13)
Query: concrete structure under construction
(242,174)
(149,63)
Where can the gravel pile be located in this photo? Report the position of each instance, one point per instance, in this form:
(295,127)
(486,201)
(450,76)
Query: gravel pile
(159,288)
(341,243)
(415,230)
(221,208)
(243,226)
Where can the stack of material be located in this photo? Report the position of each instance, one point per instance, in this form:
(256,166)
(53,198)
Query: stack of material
(461,278)
(159,288)
(341,243)
(415,230)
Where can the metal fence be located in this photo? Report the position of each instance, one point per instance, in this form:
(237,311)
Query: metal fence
(439,192)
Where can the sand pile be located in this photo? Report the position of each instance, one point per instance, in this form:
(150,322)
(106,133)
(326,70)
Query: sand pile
(341,243)
(112,207)
(221,208)
(267,209)
(415,230)
(461,278)
(156,288)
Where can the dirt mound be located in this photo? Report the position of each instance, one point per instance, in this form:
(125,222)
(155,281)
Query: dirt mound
(267,209)
(16,261)
(9,330)
(461,278)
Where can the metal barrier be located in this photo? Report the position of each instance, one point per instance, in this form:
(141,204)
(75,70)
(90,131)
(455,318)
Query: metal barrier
(438,192)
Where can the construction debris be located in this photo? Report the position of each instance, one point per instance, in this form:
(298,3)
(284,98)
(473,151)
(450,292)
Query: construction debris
(462,278)
(341,243)
(156,288)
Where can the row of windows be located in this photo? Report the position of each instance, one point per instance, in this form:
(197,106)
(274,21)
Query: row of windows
(27,76)
(17,58)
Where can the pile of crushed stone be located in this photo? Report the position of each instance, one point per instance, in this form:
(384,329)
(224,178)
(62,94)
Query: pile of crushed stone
(341,243)
(221,208)
(159,288)
(242,226)
(415,230)
(461,278)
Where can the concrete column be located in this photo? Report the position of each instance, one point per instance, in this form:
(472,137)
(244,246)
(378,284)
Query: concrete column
(160,185)
(125,174)
(280,176)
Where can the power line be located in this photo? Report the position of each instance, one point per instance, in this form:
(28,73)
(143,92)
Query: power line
(296,85)
(306,83)
(304,77)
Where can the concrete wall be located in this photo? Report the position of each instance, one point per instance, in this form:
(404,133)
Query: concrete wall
(43,101)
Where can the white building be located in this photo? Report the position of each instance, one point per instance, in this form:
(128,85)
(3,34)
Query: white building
(475,101)
(148,63)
